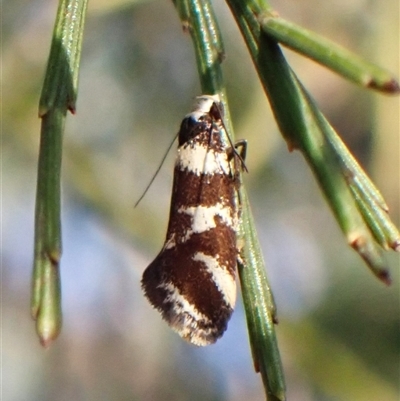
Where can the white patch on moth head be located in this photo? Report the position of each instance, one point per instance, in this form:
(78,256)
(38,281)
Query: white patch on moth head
(203,103)
(202,106)
(203,217)
(184,318)
(202,160)
(225,282)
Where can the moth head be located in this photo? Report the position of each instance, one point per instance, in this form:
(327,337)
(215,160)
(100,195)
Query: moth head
(206,110)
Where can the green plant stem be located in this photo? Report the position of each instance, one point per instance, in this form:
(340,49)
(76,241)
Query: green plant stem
(208,46)
(368,198)
(61,80)
(46,291)
(260,307)
(58,96)
(198,18)
(326,165)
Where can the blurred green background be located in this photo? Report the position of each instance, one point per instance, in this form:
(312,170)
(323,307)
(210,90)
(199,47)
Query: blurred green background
(339,329)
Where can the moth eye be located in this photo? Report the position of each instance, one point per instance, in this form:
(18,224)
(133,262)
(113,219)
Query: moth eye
(190,127)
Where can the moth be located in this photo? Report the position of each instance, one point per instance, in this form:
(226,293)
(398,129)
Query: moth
(192,281)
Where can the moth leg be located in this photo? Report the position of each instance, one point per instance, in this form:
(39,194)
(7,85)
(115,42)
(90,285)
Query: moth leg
(242,144)
(238,155)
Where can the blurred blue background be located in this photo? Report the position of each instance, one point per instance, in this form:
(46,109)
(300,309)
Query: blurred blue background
(339,330)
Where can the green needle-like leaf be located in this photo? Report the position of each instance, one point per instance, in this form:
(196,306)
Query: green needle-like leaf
(328,53)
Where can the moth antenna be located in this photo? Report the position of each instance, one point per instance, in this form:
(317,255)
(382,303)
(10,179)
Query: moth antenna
(157,171)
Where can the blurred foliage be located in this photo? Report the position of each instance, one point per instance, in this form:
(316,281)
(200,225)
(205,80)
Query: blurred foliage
(339,328)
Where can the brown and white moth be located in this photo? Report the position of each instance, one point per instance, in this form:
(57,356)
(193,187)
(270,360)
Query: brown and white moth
(192,281)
